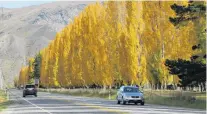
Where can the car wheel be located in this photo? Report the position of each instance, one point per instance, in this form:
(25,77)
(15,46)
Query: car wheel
(118,102)
(123,102)
(35,95)
(142,103)
(24,95)
(135,103)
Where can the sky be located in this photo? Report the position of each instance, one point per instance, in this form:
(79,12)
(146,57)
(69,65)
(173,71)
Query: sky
(20,4)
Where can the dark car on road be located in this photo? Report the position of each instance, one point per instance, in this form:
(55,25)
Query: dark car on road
(30,90)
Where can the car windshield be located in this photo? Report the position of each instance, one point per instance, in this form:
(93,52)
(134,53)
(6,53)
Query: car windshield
(30,86)
(131,89)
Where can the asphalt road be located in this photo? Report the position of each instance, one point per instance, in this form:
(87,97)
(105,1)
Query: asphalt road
(51,103)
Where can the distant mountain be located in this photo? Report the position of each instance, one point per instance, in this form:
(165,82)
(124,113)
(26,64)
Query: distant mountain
(24,31)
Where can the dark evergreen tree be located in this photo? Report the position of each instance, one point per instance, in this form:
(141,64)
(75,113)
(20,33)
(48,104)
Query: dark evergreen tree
(188,13)
(191,72)
(37,63)
(195,12)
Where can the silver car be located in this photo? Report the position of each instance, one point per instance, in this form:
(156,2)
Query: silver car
(130,94)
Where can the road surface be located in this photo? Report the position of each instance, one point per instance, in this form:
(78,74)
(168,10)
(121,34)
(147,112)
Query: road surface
(52,103)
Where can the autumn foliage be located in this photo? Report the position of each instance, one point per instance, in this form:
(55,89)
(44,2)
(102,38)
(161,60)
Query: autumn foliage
(110,42)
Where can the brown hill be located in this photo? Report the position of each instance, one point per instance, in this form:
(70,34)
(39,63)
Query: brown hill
(24,31)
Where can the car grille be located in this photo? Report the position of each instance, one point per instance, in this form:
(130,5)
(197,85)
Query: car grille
(135,96)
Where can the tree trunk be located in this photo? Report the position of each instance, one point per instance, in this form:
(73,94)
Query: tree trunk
(104,88)
(201,87)
(204,86)
(184,88)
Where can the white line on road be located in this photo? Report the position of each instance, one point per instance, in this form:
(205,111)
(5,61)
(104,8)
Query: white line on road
(37,106)
(34,104)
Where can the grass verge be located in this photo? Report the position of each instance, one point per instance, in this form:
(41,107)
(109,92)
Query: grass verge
(176,98)
(3,100)
(164,97)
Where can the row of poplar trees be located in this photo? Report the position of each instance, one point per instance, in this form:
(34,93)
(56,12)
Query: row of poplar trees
(116,42)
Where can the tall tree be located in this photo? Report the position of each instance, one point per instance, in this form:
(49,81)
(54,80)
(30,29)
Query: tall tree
(31,70)
(37,66)
(191,72)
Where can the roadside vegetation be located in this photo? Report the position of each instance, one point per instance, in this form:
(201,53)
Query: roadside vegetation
(124,43)
(3,100)
(186,99)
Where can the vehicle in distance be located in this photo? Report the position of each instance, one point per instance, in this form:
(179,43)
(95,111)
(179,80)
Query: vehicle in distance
(20,87)
(130,94)
(30,90)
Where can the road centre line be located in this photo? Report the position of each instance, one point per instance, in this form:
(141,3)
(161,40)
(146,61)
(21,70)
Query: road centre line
(102,108)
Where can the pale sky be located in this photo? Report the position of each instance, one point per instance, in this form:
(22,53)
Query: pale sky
(19,4)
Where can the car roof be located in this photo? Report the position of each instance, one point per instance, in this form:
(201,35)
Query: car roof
(29,84)
(130,86)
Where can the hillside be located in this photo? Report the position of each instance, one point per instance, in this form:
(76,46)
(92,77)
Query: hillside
(24,31)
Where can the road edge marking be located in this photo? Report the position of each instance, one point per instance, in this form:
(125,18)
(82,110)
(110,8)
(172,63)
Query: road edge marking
(32,103)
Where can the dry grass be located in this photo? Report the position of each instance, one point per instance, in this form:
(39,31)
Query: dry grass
(3,100)
(186,99)
(100,93)
(163,97)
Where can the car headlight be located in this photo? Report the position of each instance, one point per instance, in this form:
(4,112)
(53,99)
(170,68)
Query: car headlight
(142,97)
(127,96)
